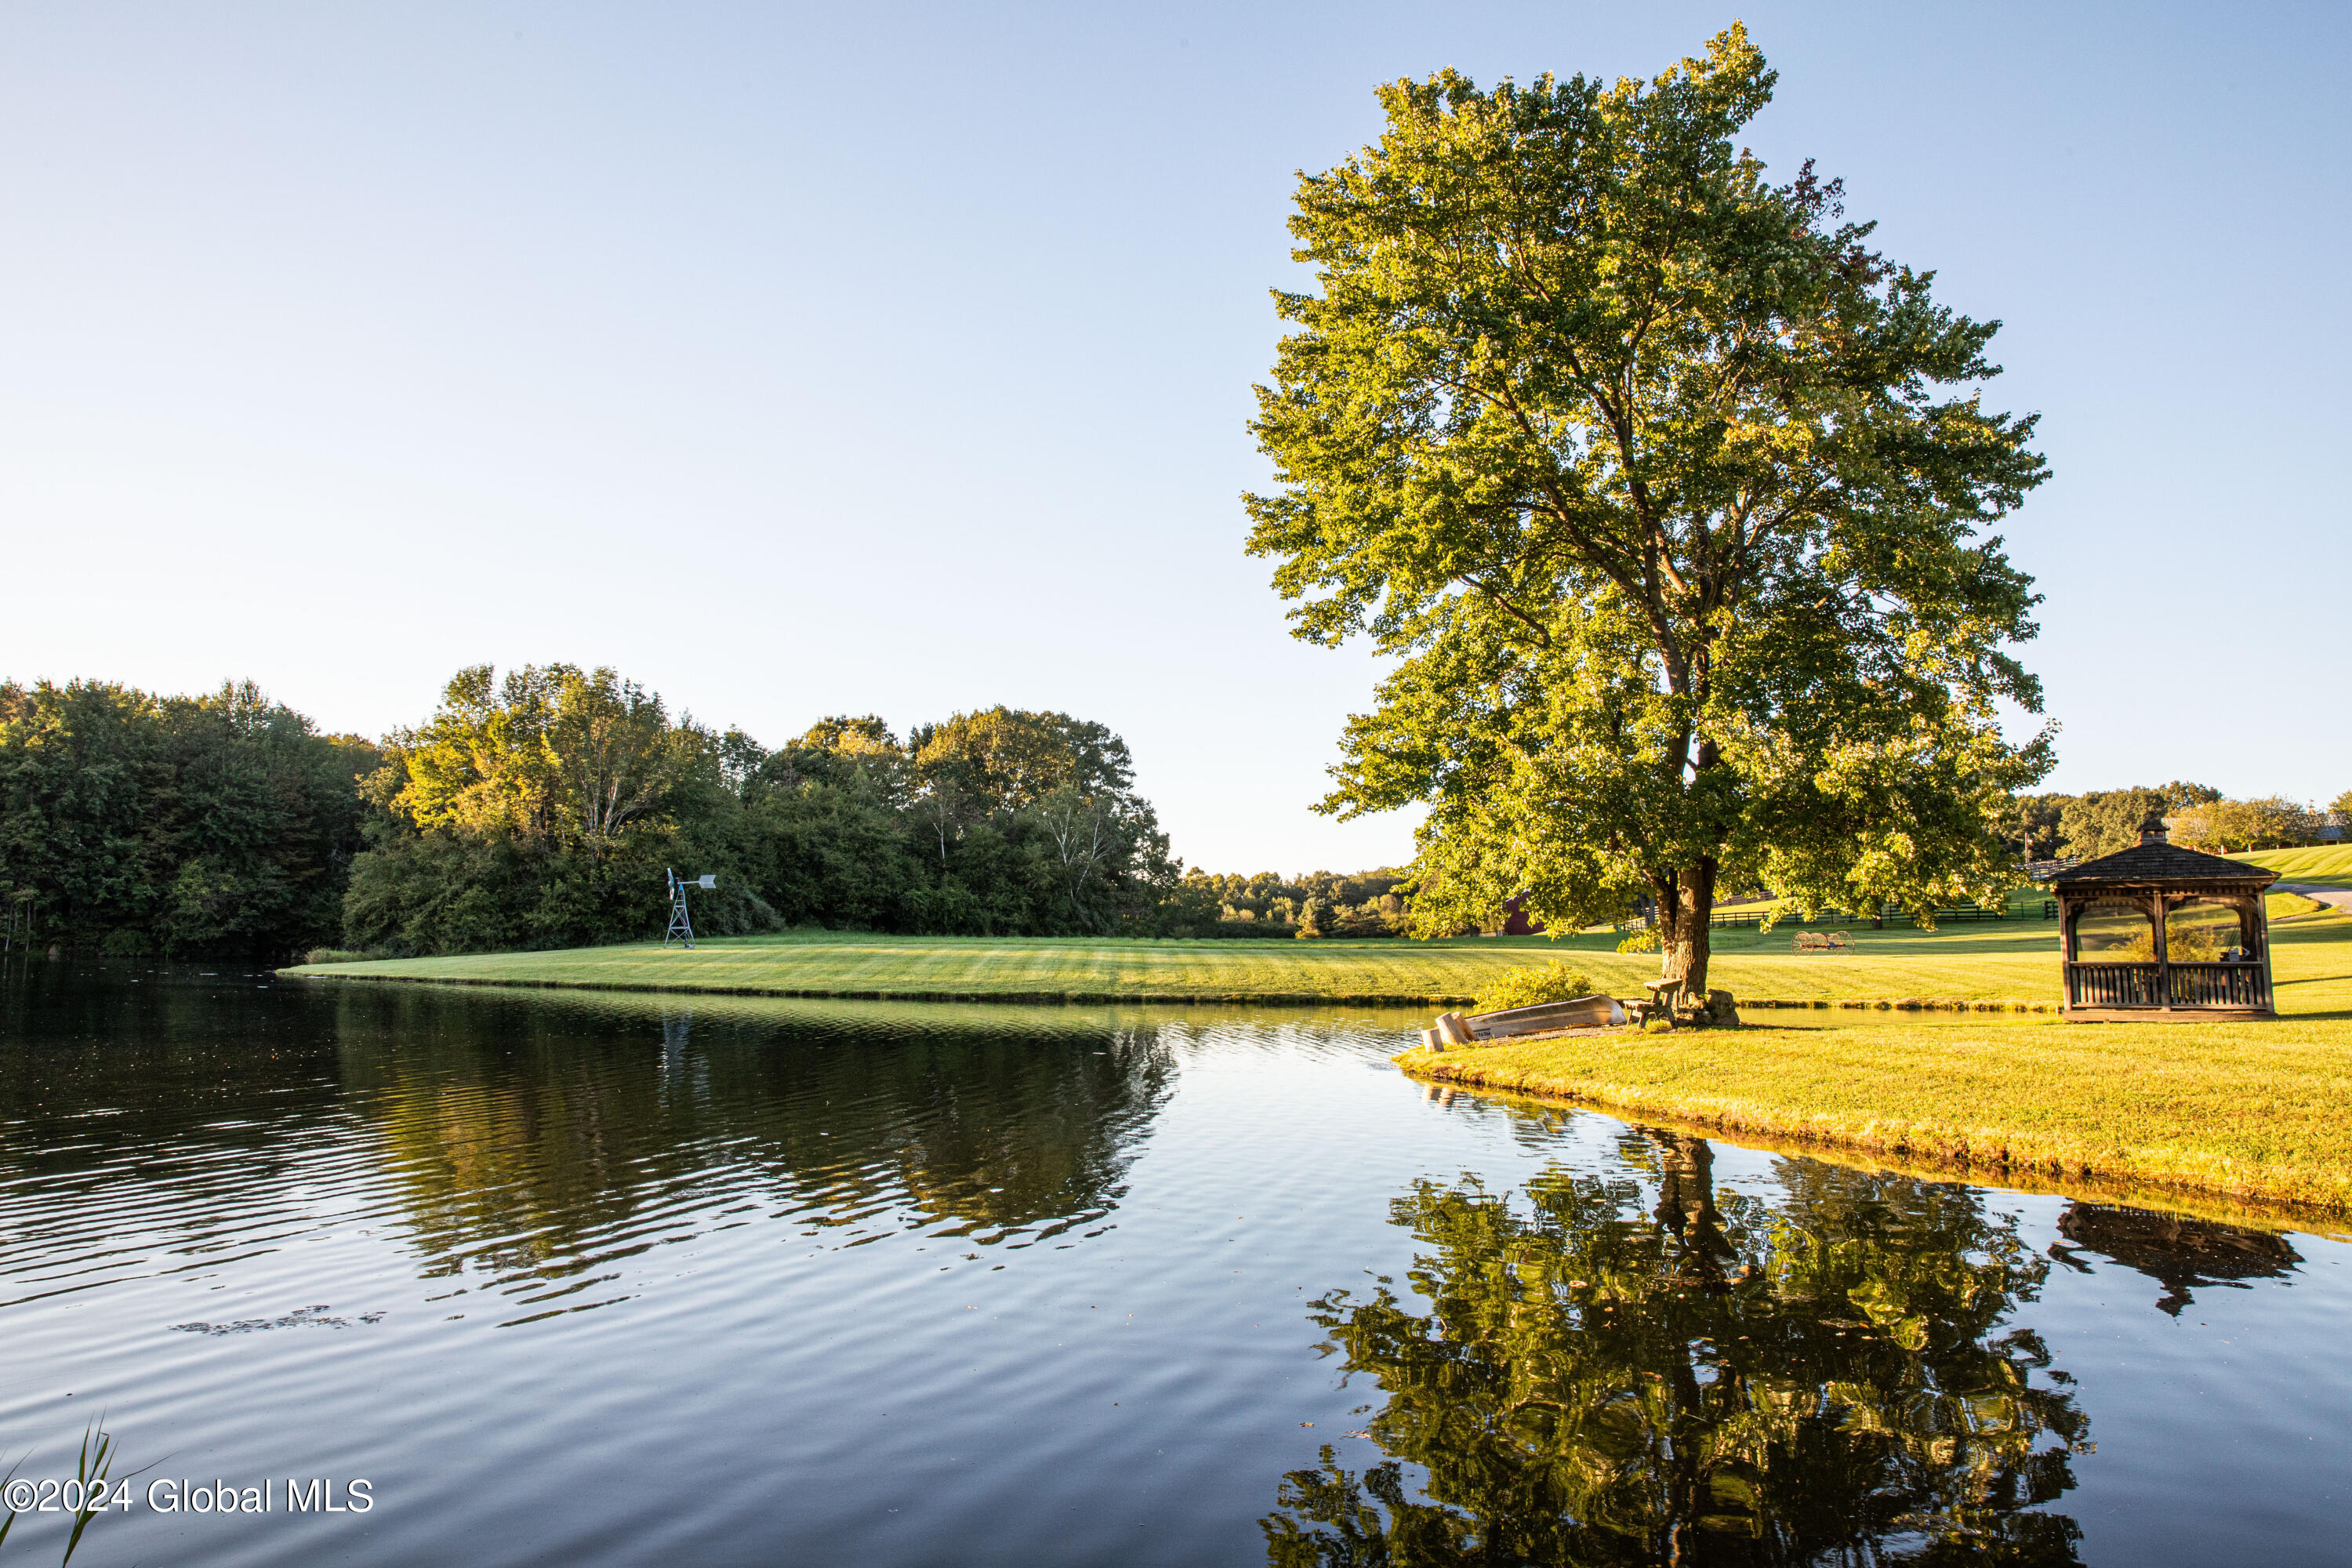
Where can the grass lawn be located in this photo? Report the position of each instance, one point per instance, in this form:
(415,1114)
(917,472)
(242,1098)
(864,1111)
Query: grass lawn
(2252,1110)
(2007,961)
(2329,866)
(2256,1111)
(843,963)
(2015,960)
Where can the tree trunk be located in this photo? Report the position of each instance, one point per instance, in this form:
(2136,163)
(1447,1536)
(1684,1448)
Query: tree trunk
(1683,927)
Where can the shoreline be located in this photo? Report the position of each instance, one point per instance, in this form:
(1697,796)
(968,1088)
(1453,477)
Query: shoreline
(2193,1203)
(805,994)
(2117,1114)
(1912,971)
(1156,998)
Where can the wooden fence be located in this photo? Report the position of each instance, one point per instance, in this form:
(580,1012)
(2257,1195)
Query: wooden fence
(1734,919)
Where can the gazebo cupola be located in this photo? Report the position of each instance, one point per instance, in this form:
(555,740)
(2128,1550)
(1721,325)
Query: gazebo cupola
(2156,932)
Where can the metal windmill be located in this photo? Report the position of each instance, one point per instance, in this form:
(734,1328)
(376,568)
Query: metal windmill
(680,927)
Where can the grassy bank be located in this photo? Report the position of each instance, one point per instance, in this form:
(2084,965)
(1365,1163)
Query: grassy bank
(835,964)
(2251,1111)
(2010,960)
(2170,1197)
(2016,960)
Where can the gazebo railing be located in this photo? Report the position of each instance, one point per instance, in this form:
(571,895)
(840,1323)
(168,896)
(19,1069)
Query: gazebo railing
(2219,985)
(2113,986)
(2236,985)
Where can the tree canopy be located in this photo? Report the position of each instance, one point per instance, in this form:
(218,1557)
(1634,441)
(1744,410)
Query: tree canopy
(539,809)
(198,825)
(557,755)
(2103,821)
(2221,826)
(1669,495)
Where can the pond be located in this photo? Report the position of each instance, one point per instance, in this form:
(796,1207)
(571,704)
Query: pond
(605,1280)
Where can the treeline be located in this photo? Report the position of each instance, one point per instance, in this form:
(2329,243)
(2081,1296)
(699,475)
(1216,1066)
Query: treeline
(541,808)
(1321,903)
(132,824)
(539,811)
(2084,827)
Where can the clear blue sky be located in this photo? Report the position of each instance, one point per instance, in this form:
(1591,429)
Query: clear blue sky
(823,359)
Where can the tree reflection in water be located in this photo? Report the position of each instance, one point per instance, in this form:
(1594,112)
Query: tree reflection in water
(1636,1370)
(535,1144)
(2175,1252)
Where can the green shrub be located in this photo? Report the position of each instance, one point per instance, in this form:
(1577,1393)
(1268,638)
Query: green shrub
(1553,981)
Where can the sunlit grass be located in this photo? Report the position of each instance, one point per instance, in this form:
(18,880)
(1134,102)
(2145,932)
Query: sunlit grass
(2328,865)
(2004,962)
(2253,1109)
(828,963)
(2009,961)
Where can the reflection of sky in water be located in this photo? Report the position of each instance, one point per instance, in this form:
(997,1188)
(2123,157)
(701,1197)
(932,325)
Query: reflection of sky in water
(598,1279)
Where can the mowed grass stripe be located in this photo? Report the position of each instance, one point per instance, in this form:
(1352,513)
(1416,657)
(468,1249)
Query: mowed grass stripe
(840,962)
(2329,866)
(1989,962)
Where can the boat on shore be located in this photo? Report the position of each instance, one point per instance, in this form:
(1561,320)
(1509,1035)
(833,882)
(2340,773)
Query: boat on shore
(1455,1030)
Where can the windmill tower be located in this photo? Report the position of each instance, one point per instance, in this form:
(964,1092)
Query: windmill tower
(681,929)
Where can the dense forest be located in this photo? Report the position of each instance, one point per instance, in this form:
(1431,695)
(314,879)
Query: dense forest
(539,809)
(198,825)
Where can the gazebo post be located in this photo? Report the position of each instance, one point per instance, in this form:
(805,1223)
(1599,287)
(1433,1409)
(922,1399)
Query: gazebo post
(2070,908)
(2258,929)
(2065,952)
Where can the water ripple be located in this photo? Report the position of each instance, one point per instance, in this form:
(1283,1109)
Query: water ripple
(884,1283)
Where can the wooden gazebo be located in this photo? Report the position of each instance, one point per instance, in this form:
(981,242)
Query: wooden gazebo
(2158,933)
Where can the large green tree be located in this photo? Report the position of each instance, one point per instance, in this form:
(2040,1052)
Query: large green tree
(1669,496)
(554,755)
(1058,794)
(541,810)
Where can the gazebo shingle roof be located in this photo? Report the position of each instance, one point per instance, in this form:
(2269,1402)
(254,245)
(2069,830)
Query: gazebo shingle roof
(2164,863)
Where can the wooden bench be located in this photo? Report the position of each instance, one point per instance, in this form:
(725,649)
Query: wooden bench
(1823,941)
(1664,996)
(1674,1002)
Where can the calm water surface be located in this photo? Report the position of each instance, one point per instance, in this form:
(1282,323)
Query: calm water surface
(620,1281)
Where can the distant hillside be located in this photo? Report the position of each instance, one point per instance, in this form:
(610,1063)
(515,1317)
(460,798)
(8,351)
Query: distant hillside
(2328,864)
